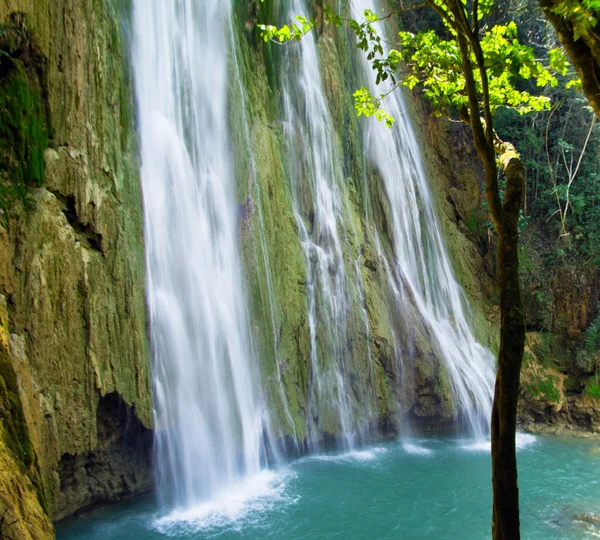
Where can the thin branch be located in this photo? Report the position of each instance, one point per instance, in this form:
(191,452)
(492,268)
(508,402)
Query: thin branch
(587,139)
(403,9)
(574,174)
(551,170)
(441,12)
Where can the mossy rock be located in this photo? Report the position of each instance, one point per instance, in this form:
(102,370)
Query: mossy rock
(592,389)
(540,381)
(22,516)
(15,433)
(75,255)
(23,119)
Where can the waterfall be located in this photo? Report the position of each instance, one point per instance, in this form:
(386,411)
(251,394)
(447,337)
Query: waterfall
(263,253)
(420,277)
(421,269)
(314,170)
(209,405)
(207,398)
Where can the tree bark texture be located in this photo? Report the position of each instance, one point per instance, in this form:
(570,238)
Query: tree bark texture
(505,514)
(583,52)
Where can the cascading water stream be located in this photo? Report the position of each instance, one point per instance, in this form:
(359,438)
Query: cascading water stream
(315,175)
(422,270)
(209,411)
(208,406)
(263,251)
(419,273)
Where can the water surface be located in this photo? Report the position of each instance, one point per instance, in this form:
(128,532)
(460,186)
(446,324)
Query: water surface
(426,488)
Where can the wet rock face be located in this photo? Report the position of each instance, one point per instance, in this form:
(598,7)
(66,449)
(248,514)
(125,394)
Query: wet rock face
(119,466)
(578,416)
(383,388)
(553,396)
(71,255)
(559,385)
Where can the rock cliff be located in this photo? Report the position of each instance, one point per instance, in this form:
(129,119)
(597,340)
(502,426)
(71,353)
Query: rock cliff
(276,268)
(75,364)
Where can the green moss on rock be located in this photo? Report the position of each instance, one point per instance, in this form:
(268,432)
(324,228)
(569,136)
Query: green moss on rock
(74,256)
(23,118)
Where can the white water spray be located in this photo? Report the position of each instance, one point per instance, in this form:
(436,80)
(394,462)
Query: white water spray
(422,269)
(316,184)
(208,409)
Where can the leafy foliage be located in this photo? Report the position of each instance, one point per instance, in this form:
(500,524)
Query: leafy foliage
(368,105)
(434,62)
(582,14)
(287,33)
(588,356)
(552,145)
(592,334)
(437,65)
(592,389)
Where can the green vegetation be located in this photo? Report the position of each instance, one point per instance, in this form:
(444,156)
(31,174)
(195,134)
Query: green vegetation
(543,387)
(592,389)
(561,149)
(23,126)
(588,354)
(287,33)
(592,335)
(560,245)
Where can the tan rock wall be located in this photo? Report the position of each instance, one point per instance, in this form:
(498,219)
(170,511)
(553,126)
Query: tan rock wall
(72,262)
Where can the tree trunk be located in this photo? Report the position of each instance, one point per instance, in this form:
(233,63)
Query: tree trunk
(583,52)
(505,215)
(505,515)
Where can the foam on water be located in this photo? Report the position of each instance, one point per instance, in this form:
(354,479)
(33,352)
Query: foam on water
(353,456)
(233,507)
(364,455)
(523,440)
(477,446)
(416,450)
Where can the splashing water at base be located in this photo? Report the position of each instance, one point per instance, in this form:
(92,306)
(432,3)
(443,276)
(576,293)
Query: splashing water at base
(395,495)
(416,449)
(523,440)
(353,456)
(234,506)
